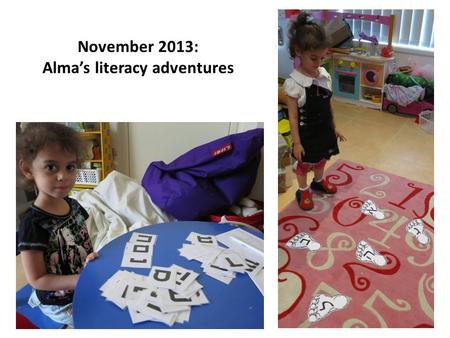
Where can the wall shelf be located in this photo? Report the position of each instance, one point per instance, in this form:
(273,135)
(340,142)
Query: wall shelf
(366,86)
(99,168)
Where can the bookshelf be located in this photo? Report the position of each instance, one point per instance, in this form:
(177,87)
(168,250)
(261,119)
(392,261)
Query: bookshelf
(99,162)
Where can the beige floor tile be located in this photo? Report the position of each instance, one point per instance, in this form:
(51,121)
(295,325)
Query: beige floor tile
(393,143)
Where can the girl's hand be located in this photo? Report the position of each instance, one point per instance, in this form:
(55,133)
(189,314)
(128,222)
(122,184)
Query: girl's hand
(298,151)
(90,257)
(340,136)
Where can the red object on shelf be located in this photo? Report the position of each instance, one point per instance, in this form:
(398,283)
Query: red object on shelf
(387,52)
(96,152)
(291,12)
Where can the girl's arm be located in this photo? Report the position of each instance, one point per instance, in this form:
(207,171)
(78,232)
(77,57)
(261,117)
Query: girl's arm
(36,274)
(332,116)
(293,121)
(339,136)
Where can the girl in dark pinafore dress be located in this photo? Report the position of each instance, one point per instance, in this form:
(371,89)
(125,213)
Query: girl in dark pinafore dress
(310,115)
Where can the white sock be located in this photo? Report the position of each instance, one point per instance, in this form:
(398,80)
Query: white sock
(304,189)
(318,180)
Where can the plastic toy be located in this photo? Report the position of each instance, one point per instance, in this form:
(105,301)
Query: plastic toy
(411,109)
(375,98)
(359,51)
(95,150)
(284,129)
(406,80)
(372,39)
(387,52)
(405,69)
(425,71)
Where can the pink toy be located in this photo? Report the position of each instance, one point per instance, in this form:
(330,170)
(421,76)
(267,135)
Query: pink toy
(296,62)
(425,71)
(411,109)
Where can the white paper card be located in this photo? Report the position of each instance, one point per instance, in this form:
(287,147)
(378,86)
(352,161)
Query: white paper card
(139,248)
(258,279)
(239,237)
(196,238)
(137,237)
(163,277)
(135,260)
(184,278)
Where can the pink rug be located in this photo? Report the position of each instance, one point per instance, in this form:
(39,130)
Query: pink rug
(398,294)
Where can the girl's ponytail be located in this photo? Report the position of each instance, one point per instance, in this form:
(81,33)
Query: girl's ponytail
(305,34)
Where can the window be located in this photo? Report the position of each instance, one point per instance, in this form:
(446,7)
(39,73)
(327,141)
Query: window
(414,28)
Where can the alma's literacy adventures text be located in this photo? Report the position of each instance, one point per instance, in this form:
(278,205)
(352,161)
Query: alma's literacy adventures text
(167,67)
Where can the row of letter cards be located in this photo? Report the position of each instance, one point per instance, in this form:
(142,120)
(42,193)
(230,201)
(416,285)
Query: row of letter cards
(139,251)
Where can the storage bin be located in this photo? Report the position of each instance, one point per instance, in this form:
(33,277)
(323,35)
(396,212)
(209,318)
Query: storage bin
(426,121)
(88,176)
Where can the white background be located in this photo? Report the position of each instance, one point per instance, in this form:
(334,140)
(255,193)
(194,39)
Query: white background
(242,33)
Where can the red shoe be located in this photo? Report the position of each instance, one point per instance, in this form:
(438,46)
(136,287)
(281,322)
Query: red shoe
(324,186)
(304,199)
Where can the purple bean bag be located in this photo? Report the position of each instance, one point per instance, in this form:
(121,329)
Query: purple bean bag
(208,178)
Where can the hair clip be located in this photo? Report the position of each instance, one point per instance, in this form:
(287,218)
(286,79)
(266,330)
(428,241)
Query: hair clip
(309,19)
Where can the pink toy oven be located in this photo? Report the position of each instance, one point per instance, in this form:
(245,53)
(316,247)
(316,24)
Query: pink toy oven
(412,109)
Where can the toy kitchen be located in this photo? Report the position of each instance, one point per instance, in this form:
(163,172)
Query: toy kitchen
(359,79)
(358,70)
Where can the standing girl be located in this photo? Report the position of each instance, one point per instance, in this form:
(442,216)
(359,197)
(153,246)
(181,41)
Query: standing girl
(53,238)
(310,115)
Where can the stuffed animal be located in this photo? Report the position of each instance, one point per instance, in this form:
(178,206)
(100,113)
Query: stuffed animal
(425,71)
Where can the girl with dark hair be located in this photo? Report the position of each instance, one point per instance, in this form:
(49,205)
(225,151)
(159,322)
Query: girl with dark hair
(53,238)
(311,118)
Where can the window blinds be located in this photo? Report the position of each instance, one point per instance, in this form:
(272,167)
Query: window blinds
(413,27)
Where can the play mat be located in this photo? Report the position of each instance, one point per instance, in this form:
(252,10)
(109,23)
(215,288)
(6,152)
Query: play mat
(339,267)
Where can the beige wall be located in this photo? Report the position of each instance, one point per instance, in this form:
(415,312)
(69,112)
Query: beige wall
(137,144)
(119,138)
(405,58)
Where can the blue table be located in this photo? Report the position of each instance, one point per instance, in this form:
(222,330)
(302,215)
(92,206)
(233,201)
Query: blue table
(237,305)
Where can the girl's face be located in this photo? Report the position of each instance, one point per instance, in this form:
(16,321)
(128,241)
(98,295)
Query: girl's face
(53,171)
(312,59)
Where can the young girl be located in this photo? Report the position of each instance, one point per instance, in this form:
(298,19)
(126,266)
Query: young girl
(53,239)
(310,115)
